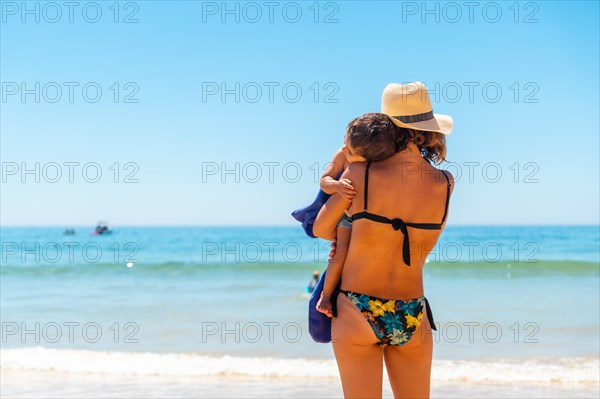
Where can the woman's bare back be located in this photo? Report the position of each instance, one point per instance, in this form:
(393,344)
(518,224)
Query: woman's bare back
(404,187)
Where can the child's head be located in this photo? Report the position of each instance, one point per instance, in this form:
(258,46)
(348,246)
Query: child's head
(371,137)
(374,137)
(351,156)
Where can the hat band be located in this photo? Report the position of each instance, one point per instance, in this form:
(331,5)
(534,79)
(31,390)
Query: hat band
(415,118)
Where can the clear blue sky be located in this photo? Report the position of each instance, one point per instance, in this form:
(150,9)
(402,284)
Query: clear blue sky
(546,54)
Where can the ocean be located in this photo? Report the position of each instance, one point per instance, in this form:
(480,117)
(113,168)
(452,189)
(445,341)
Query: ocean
(517,309)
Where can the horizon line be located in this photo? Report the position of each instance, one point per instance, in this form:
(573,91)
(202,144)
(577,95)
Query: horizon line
(296,225)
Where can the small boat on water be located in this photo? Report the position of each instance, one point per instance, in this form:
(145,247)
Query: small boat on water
(101,229)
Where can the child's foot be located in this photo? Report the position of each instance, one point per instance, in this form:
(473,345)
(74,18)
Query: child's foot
(324,306)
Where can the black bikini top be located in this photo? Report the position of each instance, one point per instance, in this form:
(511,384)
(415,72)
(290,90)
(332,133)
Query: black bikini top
(397,223)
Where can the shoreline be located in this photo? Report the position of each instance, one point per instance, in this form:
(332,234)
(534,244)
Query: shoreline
(37,384)
(535,370)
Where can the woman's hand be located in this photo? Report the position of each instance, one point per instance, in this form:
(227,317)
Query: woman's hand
(345,189)
(324,306)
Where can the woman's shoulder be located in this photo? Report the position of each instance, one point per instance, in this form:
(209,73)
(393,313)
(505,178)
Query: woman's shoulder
(433,175)
(447,178)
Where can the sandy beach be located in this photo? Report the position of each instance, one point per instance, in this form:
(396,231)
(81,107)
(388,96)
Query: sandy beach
(35,384)
(40,372)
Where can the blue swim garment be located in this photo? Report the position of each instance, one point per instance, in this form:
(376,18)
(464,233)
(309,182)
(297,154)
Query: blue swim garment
(308,214)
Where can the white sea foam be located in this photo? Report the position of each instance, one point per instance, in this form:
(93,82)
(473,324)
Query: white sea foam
(169,364)
(570,370)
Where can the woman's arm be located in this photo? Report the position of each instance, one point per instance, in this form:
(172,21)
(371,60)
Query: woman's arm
(329,216)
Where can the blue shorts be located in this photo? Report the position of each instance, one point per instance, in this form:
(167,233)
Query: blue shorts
(345,221)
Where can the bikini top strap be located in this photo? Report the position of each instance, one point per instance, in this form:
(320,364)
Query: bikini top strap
(367,183)
(447,198)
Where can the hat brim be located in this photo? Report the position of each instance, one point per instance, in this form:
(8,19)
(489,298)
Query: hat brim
(439,124)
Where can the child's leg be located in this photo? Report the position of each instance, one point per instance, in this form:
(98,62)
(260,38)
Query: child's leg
(334,270)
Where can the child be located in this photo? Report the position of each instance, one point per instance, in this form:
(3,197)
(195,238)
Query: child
(335,265)
(331,183)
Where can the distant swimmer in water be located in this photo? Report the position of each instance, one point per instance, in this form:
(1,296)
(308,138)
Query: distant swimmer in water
(313,282)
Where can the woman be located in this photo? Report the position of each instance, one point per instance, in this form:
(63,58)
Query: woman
(398,213)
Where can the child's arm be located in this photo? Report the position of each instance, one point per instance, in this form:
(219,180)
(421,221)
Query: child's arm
(328,182)
(334,269)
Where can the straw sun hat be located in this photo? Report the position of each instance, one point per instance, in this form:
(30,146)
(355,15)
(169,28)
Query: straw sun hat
(409,107)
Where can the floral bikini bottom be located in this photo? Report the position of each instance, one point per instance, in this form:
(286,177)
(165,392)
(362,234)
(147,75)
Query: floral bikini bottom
(393,321)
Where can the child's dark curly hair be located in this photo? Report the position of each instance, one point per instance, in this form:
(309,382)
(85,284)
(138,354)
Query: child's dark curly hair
(375,137)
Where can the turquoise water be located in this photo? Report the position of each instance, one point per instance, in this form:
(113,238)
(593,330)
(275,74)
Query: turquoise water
(241,291)
(288,245)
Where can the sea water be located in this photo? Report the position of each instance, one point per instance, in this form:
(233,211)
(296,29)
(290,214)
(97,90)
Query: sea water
(511,303)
